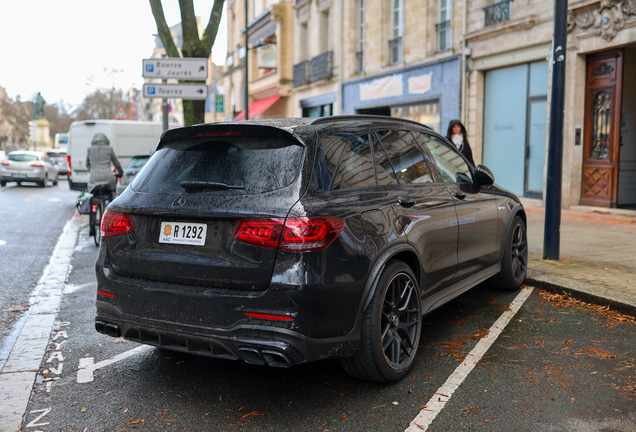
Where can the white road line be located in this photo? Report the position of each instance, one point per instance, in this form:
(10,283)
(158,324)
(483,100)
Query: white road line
(18,373)
(86,365)
(444,393)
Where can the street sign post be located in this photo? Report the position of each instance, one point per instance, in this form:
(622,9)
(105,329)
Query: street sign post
(176,68)
(183,91)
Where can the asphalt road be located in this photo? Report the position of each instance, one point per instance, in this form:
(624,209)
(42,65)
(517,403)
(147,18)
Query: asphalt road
(556,366)
(31,221)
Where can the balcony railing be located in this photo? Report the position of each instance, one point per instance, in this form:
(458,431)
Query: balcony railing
(499,12)
(395,50)
(301,73)
(443,36)
(322,66)
(360,61)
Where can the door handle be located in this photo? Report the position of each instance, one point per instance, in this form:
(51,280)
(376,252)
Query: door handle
(459,195)
(406,203)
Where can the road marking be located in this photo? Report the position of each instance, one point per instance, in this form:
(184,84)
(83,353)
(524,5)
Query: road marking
(44,413)
(87,365)
(2,242)
(444,393)
(18,373)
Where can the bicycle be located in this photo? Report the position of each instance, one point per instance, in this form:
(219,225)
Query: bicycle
(102,196)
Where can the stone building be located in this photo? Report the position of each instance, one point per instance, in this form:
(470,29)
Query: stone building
(508,80)
(599,157)
(269,59)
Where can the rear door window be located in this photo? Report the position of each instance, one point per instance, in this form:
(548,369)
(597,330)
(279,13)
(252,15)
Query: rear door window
(404,158)
(248,165)
(355,168)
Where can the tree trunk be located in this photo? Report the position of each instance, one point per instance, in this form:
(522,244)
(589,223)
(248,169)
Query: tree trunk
(193,112)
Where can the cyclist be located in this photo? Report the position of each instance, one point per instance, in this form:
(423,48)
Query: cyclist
(99,156)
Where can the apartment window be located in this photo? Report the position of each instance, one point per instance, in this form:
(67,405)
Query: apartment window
(360,52)
(443,26)
(395,44)
(499,12)
(325,37)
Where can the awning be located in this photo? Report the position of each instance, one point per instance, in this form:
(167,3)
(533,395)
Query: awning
(258,107)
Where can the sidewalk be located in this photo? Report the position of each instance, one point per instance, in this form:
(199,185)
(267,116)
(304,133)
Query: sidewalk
(597,256)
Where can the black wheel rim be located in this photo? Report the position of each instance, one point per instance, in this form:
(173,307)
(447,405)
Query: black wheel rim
(400,321)
(519,252)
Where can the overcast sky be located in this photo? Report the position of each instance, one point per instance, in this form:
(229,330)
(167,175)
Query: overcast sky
(61,47)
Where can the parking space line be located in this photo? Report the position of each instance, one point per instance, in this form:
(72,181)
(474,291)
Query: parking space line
(444,393)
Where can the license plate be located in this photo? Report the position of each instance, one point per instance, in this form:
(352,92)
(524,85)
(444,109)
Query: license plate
(183,233)
(18,175)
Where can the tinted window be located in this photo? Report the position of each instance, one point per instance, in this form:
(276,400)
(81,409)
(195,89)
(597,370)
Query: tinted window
(22,157)
(256,164)
(329,150)
(452,166)
(355,169)
(405,157)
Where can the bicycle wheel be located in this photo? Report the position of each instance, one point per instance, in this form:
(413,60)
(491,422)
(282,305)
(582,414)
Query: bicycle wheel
(98,223)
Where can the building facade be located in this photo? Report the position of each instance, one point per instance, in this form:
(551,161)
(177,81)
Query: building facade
(599,157)
(403,59)
(269,59)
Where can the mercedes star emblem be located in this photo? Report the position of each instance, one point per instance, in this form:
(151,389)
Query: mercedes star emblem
(178,203)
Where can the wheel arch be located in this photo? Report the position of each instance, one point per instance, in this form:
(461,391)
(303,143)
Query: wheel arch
(403,252)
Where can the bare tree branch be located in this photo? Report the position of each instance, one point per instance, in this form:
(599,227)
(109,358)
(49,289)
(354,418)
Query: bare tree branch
(162,29)
(209,35)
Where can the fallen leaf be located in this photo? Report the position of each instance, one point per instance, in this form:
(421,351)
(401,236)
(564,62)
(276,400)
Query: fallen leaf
(134,422)
(255,413)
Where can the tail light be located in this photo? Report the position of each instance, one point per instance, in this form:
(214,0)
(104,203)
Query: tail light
(300,234)
(115,224)
(5,163)
(37,165)
(68,159)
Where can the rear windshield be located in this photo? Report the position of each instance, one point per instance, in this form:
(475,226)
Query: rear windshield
(22,157)
(244,165)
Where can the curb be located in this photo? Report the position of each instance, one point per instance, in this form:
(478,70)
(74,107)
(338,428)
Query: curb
(604,296)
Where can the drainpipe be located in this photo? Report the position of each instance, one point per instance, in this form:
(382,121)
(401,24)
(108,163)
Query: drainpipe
(464,82)
(341,60)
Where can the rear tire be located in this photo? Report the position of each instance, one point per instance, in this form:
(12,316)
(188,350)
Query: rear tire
(44,182)
(391,328)
(97,238)
(514,261)
(57,178)
(3,183)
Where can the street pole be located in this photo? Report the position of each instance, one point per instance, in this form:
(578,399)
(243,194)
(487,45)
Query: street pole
(164,104)
(245,96)
(552,234)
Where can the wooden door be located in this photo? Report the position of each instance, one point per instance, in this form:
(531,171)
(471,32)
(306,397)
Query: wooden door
(602,129)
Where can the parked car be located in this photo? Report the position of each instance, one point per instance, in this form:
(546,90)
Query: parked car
(286,241)
(131,170)
(28,166)
(58,157)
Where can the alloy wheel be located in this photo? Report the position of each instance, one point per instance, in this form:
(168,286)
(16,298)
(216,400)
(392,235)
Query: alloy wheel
(400,321)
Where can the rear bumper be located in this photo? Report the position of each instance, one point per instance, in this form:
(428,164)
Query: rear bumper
(214,323)
(29,177)
(254,344)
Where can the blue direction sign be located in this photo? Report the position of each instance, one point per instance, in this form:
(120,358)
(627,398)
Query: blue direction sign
(183,91)
(177,68)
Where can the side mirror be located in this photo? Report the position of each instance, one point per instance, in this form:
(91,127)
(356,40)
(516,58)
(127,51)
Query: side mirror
(483,176)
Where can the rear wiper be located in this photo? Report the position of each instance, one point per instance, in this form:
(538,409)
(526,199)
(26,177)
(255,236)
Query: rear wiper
(199,185)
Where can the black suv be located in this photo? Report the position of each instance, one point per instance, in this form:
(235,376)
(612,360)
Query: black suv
(286,241)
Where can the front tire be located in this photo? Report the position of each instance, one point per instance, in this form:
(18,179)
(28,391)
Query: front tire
(514,261)
(391,328)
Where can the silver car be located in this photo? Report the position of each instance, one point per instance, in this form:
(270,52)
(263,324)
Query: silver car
(28,166)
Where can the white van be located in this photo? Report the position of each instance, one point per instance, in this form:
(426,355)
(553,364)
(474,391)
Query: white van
(128,138)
